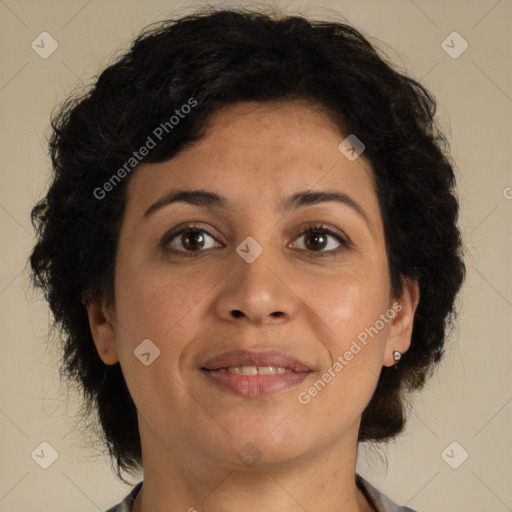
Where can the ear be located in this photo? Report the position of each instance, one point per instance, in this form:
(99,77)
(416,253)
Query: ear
(103,331)
(400,328)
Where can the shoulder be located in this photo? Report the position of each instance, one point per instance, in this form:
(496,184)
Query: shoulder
(127,504)
(380,501)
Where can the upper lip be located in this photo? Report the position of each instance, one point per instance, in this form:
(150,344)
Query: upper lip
(252,358)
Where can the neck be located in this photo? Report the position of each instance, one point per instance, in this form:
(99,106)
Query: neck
(319,482)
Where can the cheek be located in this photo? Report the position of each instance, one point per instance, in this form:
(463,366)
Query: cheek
(350,303)
(153,304)
(355,340)
(153,307)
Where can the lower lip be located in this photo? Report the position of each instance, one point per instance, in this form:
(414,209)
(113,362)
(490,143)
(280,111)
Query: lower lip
(255,385)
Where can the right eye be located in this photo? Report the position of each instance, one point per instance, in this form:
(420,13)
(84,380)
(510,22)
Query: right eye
(190,239)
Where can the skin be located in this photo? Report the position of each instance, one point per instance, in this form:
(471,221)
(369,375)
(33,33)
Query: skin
(291,299)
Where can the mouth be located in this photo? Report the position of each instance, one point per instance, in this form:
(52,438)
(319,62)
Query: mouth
(254,374)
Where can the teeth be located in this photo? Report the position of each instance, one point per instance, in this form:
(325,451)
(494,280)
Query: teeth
(270,370)
(256,370)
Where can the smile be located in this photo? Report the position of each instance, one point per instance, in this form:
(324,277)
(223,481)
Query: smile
(255,373)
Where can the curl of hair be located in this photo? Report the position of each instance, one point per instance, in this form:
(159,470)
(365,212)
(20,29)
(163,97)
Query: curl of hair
(220,58)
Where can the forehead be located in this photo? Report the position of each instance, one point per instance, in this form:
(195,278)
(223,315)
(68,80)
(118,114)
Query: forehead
(282,131)
(258,153)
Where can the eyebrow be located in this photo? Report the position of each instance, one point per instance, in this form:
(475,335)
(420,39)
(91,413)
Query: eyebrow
(205,199)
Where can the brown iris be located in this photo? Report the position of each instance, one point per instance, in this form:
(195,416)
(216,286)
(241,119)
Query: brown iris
(315,241)
(192,240)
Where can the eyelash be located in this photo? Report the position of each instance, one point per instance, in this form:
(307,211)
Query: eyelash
(318,228)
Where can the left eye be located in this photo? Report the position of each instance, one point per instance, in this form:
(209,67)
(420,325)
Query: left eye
(319,240)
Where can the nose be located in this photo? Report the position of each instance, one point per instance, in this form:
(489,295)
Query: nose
(256,292)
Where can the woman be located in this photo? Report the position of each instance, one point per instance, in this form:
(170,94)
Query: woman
(250,244)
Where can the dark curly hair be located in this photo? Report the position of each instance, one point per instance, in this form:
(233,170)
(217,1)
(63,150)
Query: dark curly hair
(220,57)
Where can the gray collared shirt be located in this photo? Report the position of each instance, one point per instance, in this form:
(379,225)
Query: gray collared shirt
(380,501)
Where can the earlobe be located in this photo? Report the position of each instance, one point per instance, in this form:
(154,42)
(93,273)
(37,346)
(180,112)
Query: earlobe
(103,332)
(400,329)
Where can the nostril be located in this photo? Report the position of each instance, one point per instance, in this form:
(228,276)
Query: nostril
(237,313)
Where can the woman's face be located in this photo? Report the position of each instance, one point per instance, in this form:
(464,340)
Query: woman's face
(234,270)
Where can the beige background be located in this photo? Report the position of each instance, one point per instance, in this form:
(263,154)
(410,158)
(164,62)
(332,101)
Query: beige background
(469,400)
